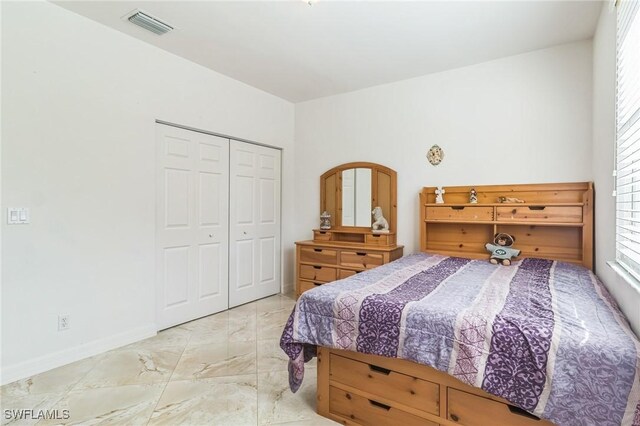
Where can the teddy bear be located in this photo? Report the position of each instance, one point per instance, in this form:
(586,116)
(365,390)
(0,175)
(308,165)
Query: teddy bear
(501,250)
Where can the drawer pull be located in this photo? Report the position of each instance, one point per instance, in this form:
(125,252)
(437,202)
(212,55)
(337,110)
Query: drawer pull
(317,267)
(322,232)
(380,405)
(457,207)
(361,254)
(454,417)
(380,370)
(317,250)
(537,207)
(520,412)
(316,284)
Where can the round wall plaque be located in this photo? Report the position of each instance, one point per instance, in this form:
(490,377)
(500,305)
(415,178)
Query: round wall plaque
(435,155)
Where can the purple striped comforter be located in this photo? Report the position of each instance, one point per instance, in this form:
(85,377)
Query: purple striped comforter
(544,335)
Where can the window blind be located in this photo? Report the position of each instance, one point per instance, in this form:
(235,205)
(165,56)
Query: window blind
(628,136)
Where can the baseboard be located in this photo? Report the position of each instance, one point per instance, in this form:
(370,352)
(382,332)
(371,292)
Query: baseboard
(44,363)
(287,288)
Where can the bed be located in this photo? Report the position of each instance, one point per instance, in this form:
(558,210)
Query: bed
(436,339)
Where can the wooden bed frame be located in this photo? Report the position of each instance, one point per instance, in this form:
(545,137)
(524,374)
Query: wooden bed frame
(555,221)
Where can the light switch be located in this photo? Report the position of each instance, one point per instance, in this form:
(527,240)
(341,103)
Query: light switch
(17,215)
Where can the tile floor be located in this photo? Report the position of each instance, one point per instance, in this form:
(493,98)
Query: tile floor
(224,369)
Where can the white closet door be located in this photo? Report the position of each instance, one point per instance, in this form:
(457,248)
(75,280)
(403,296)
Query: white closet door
(254,220)
(192,235)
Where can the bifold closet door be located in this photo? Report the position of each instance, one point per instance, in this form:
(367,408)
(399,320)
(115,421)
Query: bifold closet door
(192,235)
(254,220)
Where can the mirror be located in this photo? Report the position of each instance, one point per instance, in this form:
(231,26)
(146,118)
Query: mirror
(356,197)
(349,193)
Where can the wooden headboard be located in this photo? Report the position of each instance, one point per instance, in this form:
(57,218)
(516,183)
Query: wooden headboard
(554,222)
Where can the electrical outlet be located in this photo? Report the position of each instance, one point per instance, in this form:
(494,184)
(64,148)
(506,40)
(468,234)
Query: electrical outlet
(64,322)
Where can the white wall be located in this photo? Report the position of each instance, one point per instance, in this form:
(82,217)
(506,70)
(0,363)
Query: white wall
(604,81)
(521,119)
(79,102)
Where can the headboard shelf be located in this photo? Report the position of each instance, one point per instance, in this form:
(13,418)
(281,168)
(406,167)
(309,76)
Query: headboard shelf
(494,222)
(555,221)
(504,204)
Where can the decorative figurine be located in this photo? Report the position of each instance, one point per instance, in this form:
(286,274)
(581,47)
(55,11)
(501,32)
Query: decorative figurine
(473,196)
(507,200)
(440,195)
(325,220)
(435,155)
(501,250)
(380,224)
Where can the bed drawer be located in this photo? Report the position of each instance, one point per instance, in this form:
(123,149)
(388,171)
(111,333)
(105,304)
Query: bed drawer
(318,255)
(364,411)
(390,385)
(307,285)
(540,214)
(473,410)
(318,273)
(463,213)
(361,259)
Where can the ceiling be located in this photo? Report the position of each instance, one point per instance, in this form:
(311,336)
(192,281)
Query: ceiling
(300,52)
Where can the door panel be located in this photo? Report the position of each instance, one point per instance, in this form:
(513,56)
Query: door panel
(254,217)
(210,202)
(177,195)
(244,260)
(267,201)
(176,275)
(210,271)
(267,259)
(192,234)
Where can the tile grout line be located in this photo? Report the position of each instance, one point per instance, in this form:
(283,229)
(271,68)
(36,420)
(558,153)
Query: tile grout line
(155,407)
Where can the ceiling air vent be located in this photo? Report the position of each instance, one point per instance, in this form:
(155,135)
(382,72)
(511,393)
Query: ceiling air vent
(150,23)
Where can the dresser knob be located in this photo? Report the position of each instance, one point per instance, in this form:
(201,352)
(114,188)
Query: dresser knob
(453,417)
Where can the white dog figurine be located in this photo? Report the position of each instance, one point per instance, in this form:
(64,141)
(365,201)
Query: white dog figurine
(380,224)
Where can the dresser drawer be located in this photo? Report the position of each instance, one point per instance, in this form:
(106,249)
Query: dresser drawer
(318,273)
(364,411)
(307,285)
(540,214)
(380,239)
(318,255)
(461,213)
(473,410)
(322,235)
(390,385)
(361,259)
(346,273)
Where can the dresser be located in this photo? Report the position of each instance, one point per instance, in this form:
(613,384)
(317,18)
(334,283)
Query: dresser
(334,255)
(348,194)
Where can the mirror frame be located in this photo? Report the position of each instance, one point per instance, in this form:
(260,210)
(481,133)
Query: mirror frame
(381,178)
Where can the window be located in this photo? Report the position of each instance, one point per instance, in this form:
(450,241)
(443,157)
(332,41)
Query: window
(628,136)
